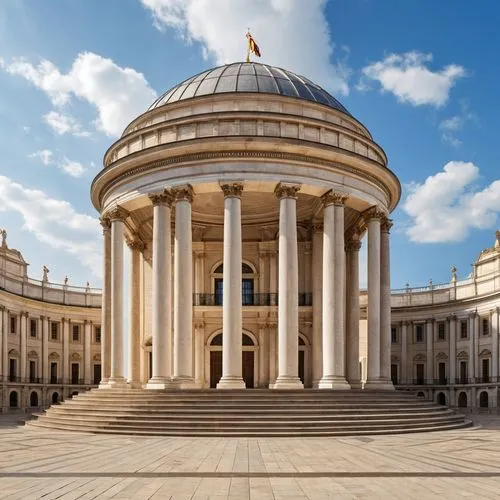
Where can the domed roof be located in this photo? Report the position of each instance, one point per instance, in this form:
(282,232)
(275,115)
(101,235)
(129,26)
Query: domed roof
(249,77)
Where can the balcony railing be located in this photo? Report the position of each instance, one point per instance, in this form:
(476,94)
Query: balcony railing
(51,380)
(254,299)
(456,381)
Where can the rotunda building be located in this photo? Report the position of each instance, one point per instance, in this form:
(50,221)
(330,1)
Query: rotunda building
(244,194)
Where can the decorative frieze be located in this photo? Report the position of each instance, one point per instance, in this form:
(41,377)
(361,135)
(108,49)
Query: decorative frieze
(353,245)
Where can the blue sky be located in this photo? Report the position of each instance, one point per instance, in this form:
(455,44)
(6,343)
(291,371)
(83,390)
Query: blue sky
(420,74)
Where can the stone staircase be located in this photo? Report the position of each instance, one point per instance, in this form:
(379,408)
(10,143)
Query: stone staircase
(250,413)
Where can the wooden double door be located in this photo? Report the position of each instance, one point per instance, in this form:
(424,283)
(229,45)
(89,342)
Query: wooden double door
(247,360)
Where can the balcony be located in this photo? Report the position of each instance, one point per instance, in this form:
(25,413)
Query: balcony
(254,299)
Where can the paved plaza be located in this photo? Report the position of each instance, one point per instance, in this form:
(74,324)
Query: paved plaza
(450,464)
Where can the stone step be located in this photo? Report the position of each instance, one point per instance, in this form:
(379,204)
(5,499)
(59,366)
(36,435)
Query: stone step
(249,433)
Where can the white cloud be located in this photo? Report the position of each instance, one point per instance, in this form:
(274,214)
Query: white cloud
(54,223)
(70,167)
(408,77)
(64,124)
(448,205)
(450,126)
(118,94)
(293,35)
(44,155)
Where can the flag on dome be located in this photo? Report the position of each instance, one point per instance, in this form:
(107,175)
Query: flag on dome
(252,47)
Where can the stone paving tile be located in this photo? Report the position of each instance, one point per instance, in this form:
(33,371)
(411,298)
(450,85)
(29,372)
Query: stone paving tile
(450,464)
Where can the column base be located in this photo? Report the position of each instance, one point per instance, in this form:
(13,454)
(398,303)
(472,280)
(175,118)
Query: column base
(117,383)
(288,383)
(379,385)
(356,384)
(159,383)
(334,383)
(182,383)
(231,383)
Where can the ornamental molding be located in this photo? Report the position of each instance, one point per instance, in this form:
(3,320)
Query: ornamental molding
(462,355)
(232,190)
(373,213)
(386,224)
(163,198)
(485,353)
(54,356)
(183,193)
(76,357)
(317,227)
(286,190)
(14,353)
(240,155)
(394,358)
(32,355)
(106,224)
(135,244)
(117,214)
(334,198)
(353,245)
(420,357)
(97,357)
(442,356)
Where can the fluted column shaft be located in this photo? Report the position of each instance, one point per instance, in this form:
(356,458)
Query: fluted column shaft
(161,293)
(117,217)
(106,304)
(288,290)
(134,316)
(453,350)
(385,303)
(317,290)
(183,288)
(333,310)
(24,352)
(373,218)
(404,352)
(352,313)
(231,295)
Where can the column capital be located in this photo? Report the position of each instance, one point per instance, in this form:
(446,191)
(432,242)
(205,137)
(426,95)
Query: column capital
(105,223)
(135,244)
(352,245)
(334,198)
(117,213)
(285,190)
(232,190)
(373,213)
(183,193)
(162,198)
(199,324)
(386,224)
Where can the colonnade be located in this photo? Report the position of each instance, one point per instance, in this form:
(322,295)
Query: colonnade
(335,300)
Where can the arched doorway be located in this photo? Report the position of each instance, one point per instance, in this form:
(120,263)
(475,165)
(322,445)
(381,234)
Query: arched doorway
(483,399)
(462,400)
(33,399)
(13,400)
(247,360)
(55,398)
(441,399)
(302,360)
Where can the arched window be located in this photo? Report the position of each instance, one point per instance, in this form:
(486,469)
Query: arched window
(462,400)
(55,398)
(245,340)
(33,399)
(441,399)
(247,284)
(13,400)
(483,400)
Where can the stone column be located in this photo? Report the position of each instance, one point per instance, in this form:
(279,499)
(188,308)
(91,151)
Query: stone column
(288,290)
(65,345)
(333,293)
(429,338)
(45,349)
(404,352)
(134,316)
(477,334)
(352,312)
(199,272)
(3,368)
(471,348)
(317,305)
(452,357)
(199,351)
(373,217)
(273,282)
(494,343)
(117,217)
(161,293)
(232,322)
(263,356)
(385,304)
(183,289)
(271,333)
(87,351)
(5,346)
(106,304)
(23,318)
